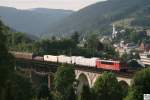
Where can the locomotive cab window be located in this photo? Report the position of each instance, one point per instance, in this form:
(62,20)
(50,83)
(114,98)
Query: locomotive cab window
(108,63)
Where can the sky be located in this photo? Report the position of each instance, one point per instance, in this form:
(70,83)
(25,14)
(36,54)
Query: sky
(53,4)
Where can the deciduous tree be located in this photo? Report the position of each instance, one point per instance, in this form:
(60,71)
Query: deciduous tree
(12,85)
(140,85)
(85,93)
(107,87)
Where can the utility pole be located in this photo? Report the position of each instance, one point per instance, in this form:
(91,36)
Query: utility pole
(70,52)
(12,39)
(93,52)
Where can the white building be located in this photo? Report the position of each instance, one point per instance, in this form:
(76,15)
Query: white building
(125,48)
(145,58)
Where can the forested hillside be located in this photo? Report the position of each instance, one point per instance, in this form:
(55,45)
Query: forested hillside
(100,16)
(95,18)
(32,21)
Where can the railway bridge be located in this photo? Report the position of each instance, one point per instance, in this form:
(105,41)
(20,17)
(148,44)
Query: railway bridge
(89,77)
(48,69)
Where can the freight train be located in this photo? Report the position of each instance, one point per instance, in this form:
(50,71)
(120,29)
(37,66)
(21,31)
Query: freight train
(76,60)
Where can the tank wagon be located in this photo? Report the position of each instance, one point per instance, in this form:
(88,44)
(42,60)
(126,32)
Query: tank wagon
(23,55)
(28,56)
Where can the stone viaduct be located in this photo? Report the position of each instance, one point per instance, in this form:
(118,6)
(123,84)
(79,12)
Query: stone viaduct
(89,78)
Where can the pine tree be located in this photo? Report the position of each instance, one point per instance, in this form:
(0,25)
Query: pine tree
(63,82)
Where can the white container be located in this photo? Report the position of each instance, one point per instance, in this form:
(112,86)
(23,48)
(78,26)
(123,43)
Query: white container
(78,60)
(64,59)
(83,61)
(73,59)
(50,58)
(68,60)
(93,62)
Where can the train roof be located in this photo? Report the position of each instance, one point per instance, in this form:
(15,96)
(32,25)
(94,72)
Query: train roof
(108,60)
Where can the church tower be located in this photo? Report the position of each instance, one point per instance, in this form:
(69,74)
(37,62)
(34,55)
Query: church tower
(114,33)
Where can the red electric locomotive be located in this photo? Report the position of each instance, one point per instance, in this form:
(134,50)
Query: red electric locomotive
(111,65)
